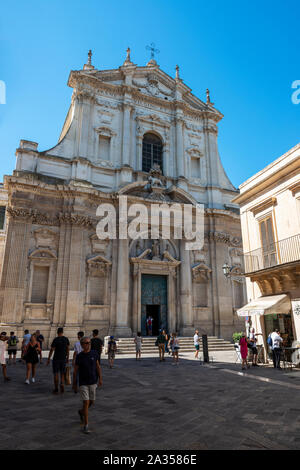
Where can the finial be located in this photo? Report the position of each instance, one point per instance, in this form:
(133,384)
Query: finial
(89,65)
(127,60)
(151,48)
(208,97)
(90,57)
(177,71)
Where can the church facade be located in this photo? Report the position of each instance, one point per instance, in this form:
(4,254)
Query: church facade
(133,131)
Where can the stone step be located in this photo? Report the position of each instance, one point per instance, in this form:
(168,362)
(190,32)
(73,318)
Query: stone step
(127,345)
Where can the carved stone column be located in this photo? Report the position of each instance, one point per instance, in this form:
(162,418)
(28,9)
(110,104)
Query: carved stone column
(179,147)
(126,135)
(122,321)
(187,327)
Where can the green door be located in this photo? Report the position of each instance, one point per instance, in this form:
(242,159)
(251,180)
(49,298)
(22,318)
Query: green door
(154,293)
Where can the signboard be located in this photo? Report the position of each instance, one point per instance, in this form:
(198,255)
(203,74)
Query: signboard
(296,317)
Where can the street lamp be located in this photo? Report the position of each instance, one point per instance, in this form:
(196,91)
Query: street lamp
(226,269)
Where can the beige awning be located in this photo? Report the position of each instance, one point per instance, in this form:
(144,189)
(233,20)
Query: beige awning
(266,305)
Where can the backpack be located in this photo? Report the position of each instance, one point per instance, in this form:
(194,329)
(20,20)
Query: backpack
(13,341)
(269,341)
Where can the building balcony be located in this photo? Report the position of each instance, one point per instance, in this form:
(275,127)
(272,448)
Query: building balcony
(279,253)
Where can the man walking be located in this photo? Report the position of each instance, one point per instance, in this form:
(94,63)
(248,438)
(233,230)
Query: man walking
(12,347)
(60,345)
(88,366)
(97,343)
(276,349)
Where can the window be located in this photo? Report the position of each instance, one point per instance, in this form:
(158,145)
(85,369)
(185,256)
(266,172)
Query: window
(152,152)
(40,284)
(2,217)
(267,242)
(238,294)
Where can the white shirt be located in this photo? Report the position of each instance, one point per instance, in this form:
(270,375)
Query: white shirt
(276,340)
(196,339)
(77,347)
(2,352)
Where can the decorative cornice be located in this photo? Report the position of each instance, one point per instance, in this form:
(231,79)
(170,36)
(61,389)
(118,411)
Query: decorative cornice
(270,202)
(39,218)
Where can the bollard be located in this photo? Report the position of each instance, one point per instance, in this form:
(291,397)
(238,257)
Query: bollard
(205,348)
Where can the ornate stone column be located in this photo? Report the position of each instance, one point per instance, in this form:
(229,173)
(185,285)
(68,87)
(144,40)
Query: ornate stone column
(122,322)
(126,134)
(179,146)
(187,327)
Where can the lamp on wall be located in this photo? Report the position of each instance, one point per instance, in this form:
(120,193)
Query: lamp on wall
(226,269)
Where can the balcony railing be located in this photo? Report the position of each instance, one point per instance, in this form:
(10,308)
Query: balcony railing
(284,251)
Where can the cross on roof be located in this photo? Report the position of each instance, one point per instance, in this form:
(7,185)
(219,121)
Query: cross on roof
(152,49)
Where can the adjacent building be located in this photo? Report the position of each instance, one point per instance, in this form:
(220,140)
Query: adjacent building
(132,131)
(270,217)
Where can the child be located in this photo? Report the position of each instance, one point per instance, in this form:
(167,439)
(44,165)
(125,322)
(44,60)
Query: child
(111,352)
(138,345)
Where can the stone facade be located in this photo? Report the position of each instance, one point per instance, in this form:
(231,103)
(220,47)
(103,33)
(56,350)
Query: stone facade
(57,272)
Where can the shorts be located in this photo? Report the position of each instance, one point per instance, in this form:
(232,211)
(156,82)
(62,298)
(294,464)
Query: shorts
(138,348)
(197,347)
(254,350)
(59,365)
(12,351)
(111,355)
(88,392)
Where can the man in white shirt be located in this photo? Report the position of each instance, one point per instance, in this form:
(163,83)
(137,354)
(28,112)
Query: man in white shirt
(77,346)
(276,350)
(196,343)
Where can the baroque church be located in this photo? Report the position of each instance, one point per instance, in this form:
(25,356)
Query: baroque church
(132,131)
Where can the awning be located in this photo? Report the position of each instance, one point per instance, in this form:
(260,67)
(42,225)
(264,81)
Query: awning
(266,305)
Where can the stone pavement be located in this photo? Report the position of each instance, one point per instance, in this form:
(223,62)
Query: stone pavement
(153,405)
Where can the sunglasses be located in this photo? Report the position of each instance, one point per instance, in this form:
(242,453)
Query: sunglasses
(87,342)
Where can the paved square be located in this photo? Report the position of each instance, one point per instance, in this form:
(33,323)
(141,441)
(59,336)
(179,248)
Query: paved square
(153,405)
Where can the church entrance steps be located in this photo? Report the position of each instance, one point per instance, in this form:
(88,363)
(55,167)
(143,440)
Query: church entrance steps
(127,345)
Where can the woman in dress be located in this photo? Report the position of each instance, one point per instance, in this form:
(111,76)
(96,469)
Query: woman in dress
(31,357)
(244,351)
(138,345)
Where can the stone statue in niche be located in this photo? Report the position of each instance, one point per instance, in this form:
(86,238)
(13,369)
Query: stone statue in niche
(155,250)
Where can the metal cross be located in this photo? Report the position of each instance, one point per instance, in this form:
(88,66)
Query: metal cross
(152,49)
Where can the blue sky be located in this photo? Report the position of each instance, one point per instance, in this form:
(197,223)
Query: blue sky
(246,52)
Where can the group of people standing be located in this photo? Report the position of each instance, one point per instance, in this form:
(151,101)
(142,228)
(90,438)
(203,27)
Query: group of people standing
(165,343)
(274,341)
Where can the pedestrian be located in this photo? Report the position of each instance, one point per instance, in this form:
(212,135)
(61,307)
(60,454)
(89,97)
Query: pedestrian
(149,325)
(60,346)
(244,350)
(12,348)
(197,343)
(174,342)
(88,366)
(253,347)
(31,356)
(111,351)
(138,345)
(77,346)
(26,339)
(97,344)
(160,342)
(276,348)
(40,338)
(3,340)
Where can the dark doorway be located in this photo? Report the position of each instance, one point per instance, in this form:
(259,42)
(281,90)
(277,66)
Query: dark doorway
(154,312)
